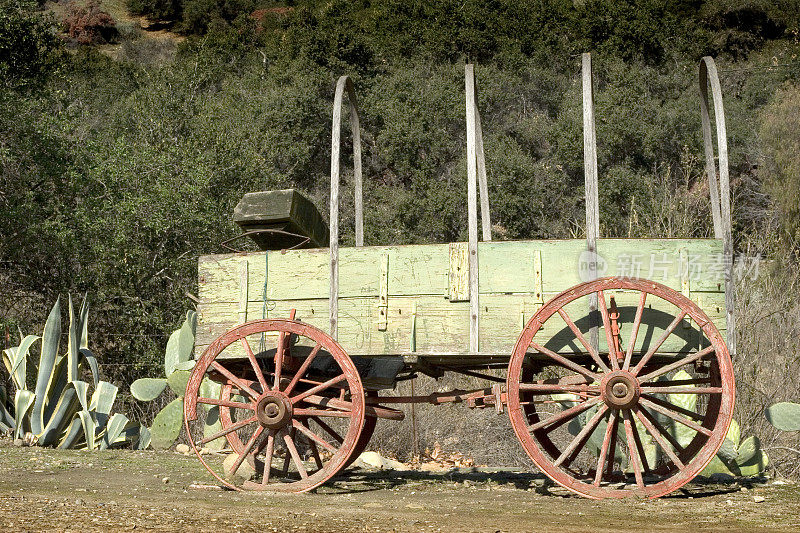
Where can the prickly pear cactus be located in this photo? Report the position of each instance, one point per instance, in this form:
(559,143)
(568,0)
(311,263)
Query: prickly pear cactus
(178,365)
(784,416)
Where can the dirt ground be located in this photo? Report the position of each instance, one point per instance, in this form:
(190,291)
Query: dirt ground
(43,489)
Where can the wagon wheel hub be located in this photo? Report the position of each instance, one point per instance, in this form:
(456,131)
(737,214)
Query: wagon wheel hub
(274,410)
(620,389)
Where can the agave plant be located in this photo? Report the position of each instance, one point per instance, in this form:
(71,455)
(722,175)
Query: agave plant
(178,364)
(55,411)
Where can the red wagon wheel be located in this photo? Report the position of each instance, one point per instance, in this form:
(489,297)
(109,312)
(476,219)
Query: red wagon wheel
(639,412)
(292,419)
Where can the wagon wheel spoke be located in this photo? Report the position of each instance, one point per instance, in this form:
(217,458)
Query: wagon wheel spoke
(677,364)
(270,451)
(612,445)
(671,406)
(247,449)
(235,427)
(577,332)
(239,382)
(664,432)
(682,390)
(279,359)
(565,416)
(328,413)
(667,332)
(612,355)
(659,438)
(321,387)
(290,445)
(563,361)
(676,417)
(581,437)
(637,321)
(225,403)
(637,439)
(332,432)
(312,443)
(632,449)
(302,370)
(313,437)
(676,382)
(548,388)
(254,363)
(607,445)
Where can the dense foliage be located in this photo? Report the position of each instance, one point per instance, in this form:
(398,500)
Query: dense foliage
(117,173)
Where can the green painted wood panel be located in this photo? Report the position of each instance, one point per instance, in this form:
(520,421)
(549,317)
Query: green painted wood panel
(418,277)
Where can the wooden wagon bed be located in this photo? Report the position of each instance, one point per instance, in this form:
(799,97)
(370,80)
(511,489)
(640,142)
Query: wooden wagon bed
(414,300)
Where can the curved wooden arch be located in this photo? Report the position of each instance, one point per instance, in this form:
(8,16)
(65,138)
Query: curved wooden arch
(343,84)
(719,191)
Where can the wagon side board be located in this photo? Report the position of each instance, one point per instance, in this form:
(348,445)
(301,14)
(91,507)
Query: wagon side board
(415,299)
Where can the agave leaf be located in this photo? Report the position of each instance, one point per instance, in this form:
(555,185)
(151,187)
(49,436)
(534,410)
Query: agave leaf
(73,434)
(5,417)
(177,381)
(748,450)
(57,388)
(89,428)
(148,389)
(23,401)
(63,411)
(102,403)
(114,430)
(84,322)
(784,416)
(72,343)
(16,361)
(167,425)
(89,357)
(47,361)
(81,388)
(144,438)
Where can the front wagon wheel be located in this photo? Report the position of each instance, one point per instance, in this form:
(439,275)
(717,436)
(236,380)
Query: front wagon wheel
(290,402)
(633,399)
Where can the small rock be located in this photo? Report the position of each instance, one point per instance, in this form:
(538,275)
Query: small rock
(202,486)
(373,505)
(19,442)
(415,506)
(744,489)
(183,448)
(758,499)
(165,480)
(243,473)
(376,460)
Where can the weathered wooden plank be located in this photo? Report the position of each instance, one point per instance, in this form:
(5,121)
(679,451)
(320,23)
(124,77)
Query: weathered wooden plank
(506,267)
(472,210)
(441,326)
(459,272)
